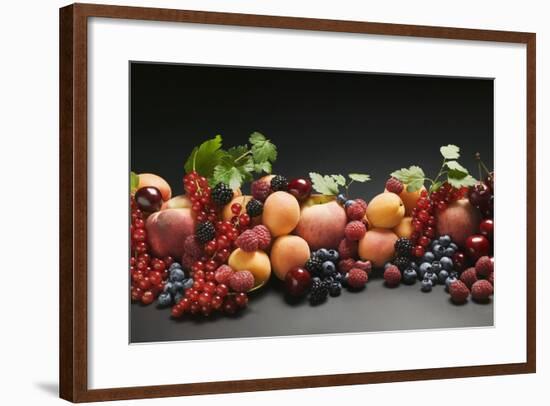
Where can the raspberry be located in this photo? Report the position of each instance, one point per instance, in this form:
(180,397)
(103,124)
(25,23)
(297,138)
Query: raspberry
(241,281)
(355,230)
(392,276)
(469,277)
(192,247)
(260,190)
(394,185)
(356,211)
(347,248)
(491,278)
(187,260)
(481,290)
(364,265)
(346,264)
(361,202)
(484,266)
(223,274)
(205,232)
(254,208)
(264,236)
(459,292)
(248,241)
(357,278)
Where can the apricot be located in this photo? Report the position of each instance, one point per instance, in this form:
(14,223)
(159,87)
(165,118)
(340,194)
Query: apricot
(385,210)
(322,222)
(287,252)
(150,179)
(459,221)
(177,202)
(410,198)
(257,262)
(167,230)
(404,228)
(281,213)
(377,246)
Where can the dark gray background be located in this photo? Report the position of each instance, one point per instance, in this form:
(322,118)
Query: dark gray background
(328,122)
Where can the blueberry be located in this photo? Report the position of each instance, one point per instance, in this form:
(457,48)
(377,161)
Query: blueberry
(348,203)
(428,257)
(424,267)
(164,299)
(442,277)
(449,252)
(335,289)
(409,276)
(446,263)
(413,265)
(188,283)
(453,246)
(432,276)
(170,288)
(177,275)
(445,240)
(338,277)
(438,251)
(315,279)
(178,286)
(333,255)
(448,282)
(436,266)
(341,199)
(178,297)
(328,268)
(433,244)
(323,254)
(454,274)
(426,285)
(174,265)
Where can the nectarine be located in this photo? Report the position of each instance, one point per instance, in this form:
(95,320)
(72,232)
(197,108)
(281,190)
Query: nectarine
(459,220)
(322,224)
(377,246)
(167,230)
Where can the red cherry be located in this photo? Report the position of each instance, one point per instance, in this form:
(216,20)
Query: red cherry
(477,246)
(297,281)
(148,199)
(300,188)
(486,228)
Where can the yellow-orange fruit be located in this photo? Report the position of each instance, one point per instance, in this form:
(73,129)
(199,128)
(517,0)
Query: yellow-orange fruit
(404,228)
(150,179)
(287,252)
(281,213)
(385,210)
(257,262)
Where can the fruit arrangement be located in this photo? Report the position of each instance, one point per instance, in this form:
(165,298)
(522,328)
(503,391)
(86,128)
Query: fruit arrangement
(208,250)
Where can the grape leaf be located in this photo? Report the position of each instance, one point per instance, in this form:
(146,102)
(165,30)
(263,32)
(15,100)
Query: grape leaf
(467,180)
(234,168)
(263,167)
(415,185)
(435,186)
(450,152)
(228,174)
(206,157)
(134,182)
(359,177)
(413,177)
(262,148)
(325,185)
(339,179)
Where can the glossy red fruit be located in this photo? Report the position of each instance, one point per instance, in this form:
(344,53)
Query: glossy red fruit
(479,195)
(486,228)
(477,246)
(148,199)
(241,300)
(300,188)
(147,297)
(459,261)
(297,282)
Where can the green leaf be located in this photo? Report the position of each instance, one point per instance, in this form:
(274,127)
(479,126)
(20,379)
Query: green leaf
(359,177)
(450,152)
(467,180)
(339,179)
(206,157)
(456,167)
(134,182)
(262,148)
(413,177)
(325,185)
(228,174)
(263,167)
(435,186)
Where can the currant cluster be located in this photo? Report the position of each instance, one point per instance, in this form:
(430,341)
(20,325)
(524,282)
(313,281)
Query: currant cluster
(148,274)
(196,187)
(447,194)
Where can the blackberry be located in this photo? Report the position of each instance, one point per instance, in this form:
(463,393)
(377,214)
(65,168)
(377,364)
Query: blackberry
(314,265)
(254,208)
(279,183)
(222,194)
(318,293)
(403,247)
(402,263)
(205,232)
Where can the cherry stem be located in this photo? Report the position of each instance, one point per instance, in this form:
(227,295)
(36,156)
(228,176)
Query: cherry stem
(481,165)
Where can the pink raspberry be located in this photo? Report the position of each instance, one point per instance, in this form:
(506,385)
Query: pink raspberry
(481,290)
(264,236)
(469,277)
(346,264)
(491,278)
(361,202)
(484,266)
(241,281)
(248,241)
(260,190)
(392,276)
(459,292)
(364,265)
(355,230)
(357,278)
(394,185)
(192,247)
(356,211)
(187,260)
(347,248)
(223,274)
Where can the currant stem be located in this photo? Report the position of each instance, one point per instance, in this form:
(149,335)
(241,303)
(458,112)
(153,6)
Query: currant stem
(242,156)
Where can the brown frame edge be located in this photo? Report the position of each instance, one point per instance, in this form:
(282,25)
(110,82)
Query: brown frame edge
(73,201)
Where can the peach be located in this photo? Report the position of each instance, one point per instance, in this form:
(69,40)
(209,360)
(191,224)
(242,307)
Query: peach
(256,262)
(404,228)
(167,230)
(385,210)
(150,179)
(322,222)
(287,252)
(281,213)
(459,220)
(377,246)
(177,202)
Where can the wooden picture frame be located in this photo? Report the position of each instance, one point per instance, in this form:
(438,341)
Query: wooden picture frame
(73,201)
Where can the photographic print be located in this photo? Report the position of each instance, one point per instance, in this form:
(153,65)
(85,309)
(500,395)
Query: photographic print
(272,202)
